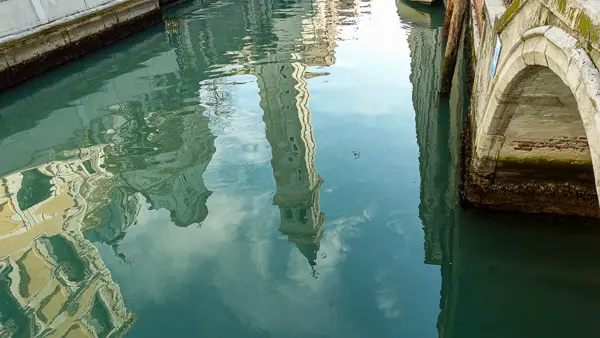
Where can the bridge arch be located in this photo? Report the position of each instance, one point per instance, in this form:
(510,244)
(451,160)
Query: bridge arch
(546,68)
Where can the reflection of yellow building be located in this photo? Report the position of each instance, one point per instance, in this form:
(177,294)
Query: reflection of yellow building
(53,282)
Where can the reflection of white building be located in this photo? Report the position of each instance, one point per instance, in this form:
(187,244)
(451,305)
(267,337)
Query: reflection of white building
(53,282)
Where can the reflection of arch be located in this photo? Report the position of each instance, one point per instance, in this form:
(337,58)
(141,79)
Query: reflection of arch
(547,51)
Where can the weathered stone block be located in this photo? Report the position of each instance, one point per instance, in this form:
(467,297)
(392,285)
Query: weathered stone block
(85,28)
(32,48)
(135,10)
(487,149)
(511,69)
(589,73)
(534,32)
(557,60)
(560,38)
(3,63)
(585,106)
(110,19)
(595,55)
(534,52)
(572,73)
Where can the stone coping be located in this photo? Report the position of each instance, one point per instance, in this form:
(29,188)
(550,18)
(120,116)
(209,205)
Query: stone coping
(11,36)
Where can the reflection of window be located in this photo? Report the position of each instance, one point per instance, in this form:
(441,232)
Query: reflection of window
(99,317)
(88,167)
(288,214)
(66,257)
(35,188)
(172,26)
(302,215)
(13,322)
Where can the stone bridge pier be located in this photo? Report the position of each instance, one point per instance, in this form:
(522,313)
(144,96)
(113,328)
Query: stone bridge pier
(534,137)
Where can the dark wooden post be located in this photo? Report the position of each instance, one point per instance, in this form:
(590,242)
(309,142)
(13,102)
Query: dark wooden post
(449,9)
(456,24)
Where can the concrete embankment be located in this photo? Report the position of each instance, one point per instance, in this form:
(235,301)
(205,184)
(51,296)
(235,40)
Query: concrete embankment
(37,35)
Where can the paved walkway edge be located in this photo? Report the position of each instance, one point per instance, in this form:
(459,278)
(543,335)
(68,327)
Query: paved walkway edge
(34,54)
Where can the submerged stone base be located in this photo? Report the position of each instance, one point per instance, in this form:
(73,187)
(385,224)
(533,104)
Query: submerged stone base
(535,186)
(34,54)
(534,197)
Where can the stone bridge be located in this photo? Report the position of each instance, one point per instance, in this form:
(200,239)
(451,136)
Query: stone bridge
(535,112)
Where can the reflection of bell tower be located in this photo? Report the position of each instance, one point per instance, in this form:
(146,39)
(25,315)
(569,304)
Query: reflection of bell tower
(284,100)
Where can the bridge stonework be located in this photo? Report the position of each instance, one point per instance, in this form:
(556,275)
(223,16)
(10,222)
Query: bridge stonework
(535,111)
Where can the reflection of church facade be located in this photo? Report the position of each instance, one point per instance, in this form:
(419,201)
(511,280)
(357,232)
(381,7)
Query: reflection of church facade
(53,282)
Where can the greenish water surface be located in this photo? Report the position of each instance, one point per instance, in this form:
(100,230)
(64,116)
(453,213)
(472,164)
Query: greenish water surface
(269,168)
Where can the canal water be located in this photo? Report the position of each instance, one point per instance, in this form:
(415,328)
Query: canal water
(269,168)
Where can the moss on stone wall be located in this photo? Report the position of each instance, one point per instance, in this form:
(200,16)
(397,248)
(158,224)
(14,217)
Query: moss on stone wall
(562,6)
(586,28)
(580,21)
(508,14)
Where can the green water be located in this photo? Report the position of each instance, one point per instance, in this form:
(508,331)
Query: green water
(260,168)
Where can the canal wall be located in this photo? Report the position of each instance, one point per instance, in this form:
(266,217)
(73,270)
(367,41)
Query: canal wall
(36,35)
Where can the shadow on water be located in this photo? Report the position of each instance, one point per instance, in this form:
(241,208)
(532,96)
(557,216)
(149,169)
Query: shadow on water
(503,275)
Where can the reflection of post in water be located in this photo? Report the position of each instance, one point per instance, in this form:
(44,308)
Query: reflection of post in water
(284,100)
(53,282)
(437,136)
(425,43)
